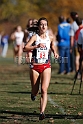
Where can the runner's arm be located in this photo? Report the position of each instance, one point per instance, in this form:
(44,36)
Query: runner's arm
(53,48)
(29,45)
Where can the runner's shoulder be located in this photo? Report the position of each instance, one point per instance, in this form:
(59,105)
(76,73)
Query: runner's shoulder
(51,37)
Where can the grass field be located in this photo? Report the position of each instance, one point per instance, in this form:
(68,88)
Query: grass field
(16,106)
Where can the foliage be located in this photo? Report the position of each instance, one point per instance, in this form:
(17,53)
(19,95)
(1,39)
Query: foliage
(13,12)
(19,11)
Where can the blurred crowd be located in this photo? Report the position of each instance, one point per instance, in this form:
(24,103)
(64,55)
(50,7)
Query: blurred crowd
(66,41)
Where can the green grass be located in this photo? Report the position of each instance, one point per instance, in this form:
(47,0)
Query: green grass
(16,106)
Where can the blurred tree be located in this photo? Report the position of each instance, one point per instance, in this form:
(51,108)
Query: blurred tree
(19,11)
(13,10)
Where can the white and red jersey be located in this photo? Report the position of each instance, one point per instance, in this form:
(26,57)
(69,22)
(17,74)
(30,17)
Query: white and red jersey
(42,54)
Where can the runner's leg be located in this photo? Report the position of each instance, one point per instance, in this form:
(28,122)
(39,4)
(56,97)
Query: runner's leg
(45,80)
(35,80)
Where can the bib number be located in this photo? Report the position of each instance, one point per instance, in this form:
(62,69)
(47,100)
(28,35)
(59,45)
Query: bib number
(42,56)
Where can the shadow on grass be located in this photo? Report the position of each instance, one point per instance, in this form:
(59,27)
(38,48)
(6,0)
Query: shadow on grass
(62,77)
(64,93)
(54,116)
(56,93)
(63,83)
(22,92)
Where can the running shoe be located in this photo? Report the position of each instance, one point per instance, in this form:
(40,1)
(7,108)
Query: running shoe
(42,116)
(33,97)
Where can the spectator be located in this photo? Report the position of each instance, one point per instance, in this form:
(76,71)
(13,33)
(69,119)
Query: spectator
(1,33)
(64,45)
(80,48)
(77,55)
(74,28)
(4,44)
(68,20)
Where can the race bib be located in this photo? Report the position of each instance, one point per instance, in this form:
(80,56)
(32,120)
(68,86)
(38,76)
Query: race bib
(42,56)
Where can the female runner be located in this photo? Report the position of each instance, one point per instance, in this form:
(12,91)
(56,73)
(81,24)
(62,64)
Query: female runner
(40,68)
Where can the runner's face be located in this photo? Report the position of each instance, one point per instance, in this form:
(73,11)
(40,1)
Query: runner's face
(43,26)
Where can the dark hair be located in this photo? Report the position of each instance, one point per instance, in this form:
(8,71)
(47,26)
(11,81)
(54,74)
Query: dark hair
(33,26)
(35,22)
(68,20)
(28,26)
(42,18)
(74,15)
(61,19)
(79,21)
